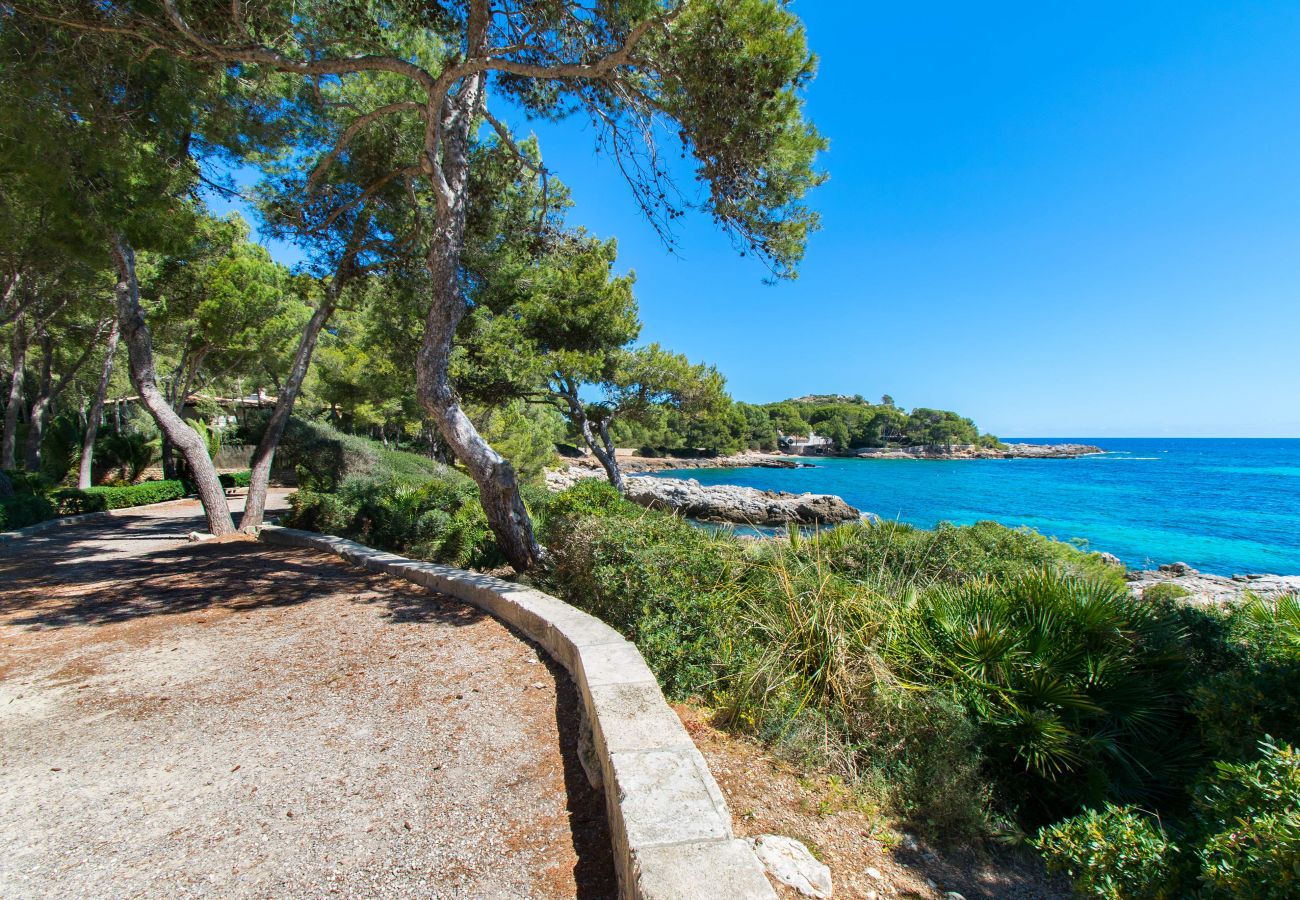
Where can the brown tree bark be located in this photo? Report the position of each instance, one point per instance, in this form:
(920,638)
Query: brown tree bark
(40,406)
(498,486)
(603,448)
(50,390)
(18,356)
(139,348)
(264,455)
(97,407)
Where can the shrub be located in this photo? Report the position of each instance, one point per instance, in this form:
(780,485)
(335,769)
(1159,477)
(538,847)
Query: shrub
(96,499)
(1249,817)
(1251,675)
(1115,853)
(437,518)
(129,452)
(1076,685)
(61,446)
(24,509)
(956,554)
(666,585)
(235,479)
(1164,591)
(319,457)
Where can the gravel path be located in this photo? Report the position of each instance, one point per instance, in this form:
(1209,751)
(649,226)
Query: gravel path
(227,719)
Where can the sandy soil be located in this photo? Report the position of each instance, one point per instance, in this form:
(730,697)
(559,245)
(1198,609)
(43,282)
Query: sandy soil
(867,857)
(227,719)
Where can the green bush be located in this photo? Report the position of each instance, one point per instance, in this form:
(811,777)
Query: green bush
(1115,854)
(1249,819)
(1077,686)
(61,446)
(319,457)
(235,479)
(27,483)
(96,499)
(129,453)
(436,518)
(666,585)
(955,554)
(1164,591)
(1251,674)
(25,509)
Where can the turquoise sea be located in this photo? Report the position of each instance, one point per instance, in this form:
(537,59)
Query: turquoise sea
(1223,505)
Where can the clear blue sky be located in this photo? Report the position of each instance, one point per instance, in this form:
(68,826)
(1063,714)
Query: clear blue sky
(1059,219)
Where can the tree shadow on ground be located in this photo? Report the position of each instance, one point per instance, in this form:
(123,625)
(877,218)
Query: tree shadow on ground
(56,586)
(594,871)
(96,576)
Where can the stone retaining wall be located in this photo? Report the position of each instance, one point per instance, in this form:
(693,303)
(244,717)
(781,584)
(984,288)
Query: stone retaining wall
(667,818)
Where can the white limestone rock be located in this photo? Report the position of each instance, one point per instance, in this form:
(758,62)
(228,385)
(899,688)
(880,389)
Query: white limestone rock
(790,862)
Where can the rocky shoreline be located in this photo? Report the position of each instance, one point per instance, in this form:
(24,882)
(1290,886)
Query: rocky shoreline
(750,506)
(1203,588)
(1006,451)
(738,505)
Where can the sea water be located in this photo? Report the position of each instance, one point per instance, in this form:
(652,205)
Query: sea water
(1222,505)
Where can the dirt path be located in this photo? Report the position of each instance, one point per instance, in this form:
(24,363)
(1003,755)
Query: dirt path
(227,719)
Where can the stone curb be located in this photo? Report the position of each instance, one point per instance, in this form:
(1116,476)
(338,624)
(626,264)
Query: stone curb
(668,821)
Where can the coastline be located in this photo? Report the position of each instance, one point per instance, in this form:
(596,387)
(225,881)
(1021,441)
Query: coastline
(1200,587)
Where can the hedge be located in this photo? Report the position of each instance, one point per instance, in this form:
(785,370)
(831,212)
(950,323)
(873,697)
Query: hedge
(97,499)
(236,479)
(24,509)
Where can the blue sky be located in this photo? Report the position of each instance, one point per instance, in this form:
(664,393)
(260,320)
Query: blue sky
(1059,219)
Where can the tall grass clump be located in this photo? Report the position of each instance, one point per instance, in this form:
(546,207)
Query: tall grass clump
(817,680)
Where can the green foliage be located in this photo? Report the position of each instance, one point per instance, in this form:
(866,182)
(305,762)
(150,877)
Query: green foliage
(1242,841)
(1164,591)
(1254,667)
(435,516)
(1249,818)
(127,454)
(1114,854)
(666,585)
(815,678)
(525,435)
(61,447)
(235,479)
(954,554)
(1075,684)
(72,501)
(320,457)
(22,510)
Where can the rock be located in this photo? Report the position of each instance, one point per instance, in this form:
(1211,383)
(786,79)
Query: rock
(739,505)
(1110,559)
(587,755)
(969,451)
(1213,589)
(873,872)
(790,862)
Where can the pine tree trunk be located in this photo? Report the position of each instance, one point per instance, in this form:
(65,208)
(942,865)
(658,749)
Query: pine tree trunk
(139,347)
(9,439)
(602,449)
(39,411)
(97,408)
(498,486)
(264,455)
(609,459)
